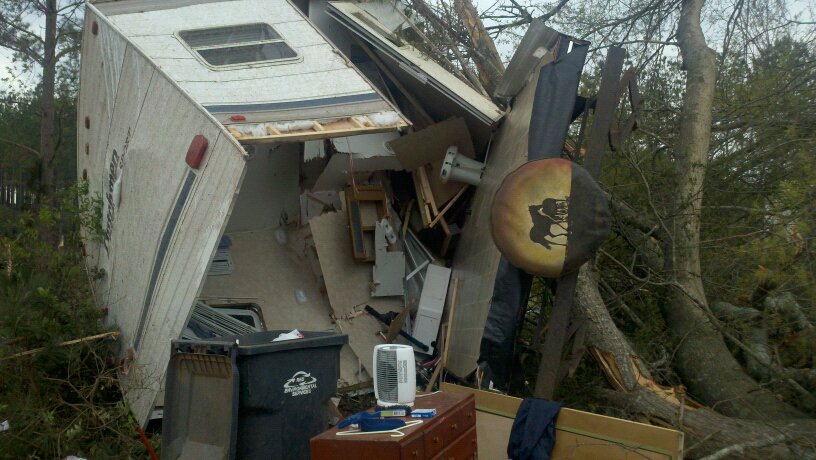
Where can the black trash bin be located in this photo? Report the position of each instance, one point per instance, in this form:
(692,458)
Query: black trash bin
(282,390)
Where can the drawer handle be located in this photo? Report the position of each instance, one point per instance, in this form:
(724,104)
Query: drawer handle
(416,453)
(454,426)
(436,439)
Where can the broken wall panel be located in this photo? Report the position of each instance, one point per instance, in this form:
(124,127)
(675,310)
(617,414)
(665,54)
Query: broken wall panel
(440,93)
(269,195)
(423,68)
(337,173)
(269,273)
(477,259)
(152,274)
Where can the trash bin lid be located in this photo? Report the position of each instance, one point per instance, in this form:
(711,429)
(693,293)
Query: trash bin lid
(262,342)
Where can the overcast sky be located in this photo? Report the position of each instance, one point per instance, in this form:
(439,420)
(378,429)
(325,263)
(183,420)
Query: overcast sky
(17,78)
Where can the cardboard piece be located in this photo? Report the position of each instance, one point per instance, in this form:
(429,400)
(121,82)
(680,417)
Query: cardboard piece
(426,149)
(427,145)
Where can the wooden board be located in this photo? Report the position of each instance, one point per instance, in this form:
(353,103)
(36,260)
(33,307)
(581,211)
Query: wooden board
(477,258)
(579,434)
(426,145)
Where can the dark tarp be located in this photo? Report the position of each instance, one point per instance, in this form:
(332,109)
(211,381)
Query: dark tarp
(553,112)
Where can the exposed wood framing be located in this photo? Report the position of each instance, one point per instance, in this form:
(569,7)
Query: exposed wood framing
(349,126)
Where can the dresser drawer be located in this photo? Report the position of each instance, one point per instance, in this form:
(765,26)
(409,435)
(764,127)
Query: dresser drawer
(436,437)
(459,421)
(415,450)
(464,448)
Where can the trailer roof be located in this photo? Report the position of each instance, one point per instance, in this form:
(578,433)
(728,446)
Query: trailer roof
(261,59)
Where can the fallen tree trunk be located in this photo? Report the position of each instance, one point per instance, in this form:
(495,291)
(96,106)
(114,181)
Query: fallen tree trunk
(706,430)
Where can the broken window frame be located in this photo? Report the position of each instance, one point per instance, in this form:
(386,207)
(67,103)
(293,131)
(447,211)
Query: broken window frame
(197,49)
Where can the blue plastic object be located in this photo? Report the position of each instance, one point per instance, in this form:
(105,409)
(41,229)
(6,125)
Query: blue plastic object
(372,421)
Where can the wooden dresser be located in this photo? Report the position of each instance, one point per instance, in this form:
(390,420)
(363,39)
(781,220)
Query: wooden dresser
(450,435)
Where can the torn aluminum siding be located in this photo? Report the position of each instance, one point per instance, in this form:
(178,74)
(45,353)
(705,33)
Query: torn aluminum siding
(413,62)
(162,218)
(317,83)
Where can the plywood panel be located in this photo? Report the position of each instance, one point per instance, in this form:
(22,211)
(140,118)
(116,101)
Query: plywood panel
(348,286)
(477,257)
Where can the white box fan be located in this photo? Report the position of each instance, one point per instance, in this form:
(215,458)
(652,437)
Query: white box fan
(394,375)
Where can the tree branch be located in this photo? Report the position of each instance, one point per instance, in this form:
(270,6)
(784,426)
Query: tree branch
(24,147)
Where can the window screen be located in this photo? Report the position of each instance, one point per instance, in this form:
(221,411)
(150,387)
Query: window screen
(240,44)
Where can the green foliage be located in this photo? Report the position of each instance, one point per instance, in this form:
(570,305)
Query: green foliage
(20,137)
(63,400)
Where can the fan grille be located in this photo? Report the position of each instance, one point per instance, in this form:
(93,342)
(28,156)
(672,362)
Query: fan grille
(387,378)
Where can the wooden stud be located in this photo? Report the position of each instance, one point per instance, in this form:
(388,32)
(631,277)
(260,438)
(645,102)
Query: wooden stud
(426,189)
(272,130)
(317,126)
(448,237)
(235,133)
(448,206)
(424,211)
(444,360)
(301,136)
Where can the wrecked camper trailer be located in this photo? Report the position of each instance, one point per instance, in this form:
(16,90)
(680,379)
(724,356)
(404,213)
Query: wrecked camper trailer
(290,156)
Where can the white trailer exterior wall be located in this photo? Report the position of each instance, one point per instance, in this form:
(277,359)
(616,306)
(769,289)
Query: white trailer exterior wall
(163,229)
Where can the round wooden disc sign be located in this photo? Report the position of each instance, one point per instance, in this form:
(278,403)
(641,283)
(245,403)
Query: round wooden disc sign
(549,217)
